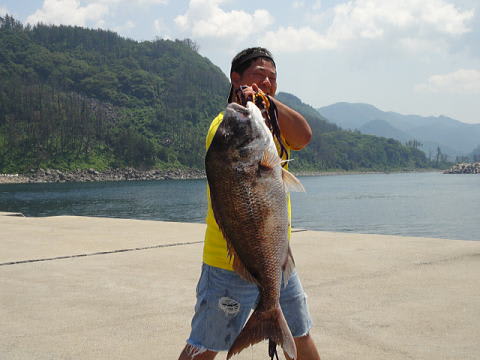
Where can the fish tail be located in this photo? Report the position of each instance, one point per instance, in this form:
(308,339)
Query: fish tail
(262,325)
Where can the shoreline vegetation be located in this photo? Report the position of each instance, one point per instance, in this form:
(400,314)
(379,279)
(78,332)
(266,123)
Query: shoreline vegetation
(131,174)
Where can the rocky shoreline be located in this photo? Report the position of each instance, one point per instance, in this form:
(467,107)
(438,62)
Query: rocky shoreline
(131,174)
(464,168)
(91,175)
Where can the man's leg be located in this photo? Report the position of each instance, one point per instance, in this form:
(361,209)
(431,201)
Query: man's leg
(224,301)
(294,305)
(306,349)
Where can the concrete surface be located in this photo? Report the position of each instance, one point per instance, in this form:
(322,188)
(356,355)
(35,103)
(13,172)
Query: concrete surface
(96,288)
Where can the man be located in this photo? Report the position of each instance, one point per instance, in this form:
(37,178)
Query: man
(224,300)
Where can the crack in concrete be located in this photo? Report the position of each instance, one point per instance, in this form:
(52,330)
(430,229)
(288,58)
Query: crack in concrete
(447,260)
(98,253)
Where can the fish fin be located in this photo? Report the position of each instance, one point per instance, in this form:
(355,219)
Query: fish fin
(230,250)
(238,266)
(270,159)
(241,270)
(291,182)
(288,267)
(262,325)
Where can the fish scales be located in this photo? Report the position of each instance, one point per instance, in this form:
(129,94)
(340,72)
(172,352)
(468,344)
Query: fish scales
(249,201)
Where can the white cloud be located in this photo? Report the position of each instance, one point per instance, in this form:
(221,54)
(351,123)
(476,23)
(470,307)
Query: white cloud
(152,2)
(463,81)
(3,11)
(371,18)
(162,30)
(445,17)
(298,4)
(159,26)
(378,19)
(205,18)
(134,2)
(295,39)
(128,25)
(68,12)
(317,5)
(418,46)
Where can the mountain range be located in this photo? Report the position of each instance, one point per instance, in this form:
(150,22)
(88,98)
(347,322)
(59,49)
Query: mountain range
(454,138)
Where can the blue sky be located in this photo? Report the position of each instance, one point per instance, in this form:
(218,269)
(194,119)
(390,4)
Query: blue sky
(409,56)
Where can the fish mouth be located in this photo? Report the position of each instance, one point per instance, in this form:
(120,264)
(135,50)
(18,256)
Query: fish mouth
(237,108)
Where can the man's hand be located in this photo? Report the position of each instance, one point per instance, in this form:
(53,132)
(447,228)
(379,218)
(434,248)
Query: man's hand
(246,93)
(294,128)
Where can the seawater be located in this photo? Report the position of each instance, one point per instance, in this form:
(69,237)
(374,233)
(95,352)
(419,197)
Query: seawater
(409,204)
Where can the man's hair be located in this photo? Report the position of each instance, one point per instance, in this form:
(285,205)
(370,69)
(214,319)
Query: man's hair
(244,58)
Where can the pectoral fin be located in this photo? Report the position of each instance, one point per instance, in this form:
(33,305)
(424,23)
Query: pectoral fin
(270,159)
(238,266)
(291,182)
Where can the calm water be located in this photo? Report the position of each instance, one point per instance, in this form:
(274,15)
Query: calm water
(416,204)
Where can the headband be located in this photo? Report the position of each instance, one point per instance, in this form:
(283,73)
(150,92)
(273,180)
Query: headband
(260,53)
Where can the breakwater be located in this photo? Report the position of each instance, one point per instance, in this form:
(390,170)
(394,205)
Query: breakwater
(464,168)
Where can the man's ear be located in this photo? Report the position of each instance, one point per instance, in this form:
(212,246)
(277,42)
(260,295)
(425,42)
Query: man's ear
(235,79)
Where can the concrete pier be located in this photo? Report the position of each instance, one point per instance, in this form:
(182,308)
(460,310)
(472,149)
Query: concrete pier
(97,288)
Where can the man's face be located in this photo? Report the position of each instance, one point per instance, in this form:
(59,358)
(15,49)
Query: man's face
(261,72)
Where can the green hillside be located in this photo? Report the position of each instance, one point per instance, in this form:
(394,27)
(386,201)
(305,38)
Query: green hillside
(74,98)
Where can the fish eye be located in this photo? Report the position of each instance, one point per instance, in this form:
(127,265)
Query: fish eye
(244,153)
(264,168)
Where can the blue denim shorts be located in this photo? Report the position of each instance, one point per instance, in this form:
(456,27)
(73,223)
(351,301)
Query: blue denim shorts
(224,302)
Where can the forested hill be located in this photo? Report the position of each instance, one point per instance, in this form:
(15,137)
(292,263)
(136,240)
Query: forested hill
(75,98)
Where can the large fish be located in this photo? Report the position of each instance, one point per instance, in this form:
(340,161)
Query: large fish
(248,191)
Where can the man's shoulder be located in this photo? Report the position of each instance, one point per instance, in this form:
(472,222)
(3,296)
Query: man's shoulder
(218,118)
(213,129)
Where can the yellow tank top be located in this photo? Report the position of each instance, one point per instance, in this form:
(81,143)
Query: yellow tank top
(215,246)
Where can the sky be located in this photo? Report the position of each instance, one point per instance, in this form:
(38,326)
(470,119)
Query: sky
(409,56)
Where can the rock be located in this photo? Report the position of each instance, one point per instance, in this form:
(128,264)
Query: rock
(89,175)
(464,168)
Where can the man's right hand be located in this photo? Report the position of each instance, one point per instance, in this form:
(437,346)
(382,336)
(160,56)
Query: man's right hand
(246,93)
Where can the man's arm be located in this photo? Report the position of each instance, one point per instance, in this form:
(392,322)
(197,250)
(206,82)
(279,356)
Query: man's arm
(293,126)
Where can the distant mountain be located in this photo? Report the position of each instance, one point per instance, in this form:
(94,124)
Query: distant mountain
(475,155)
(334,148)
(315,119)
(452,136)
(383,128)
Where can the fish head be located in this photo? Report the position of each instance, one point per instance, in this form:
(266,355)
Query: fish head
(243,128)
